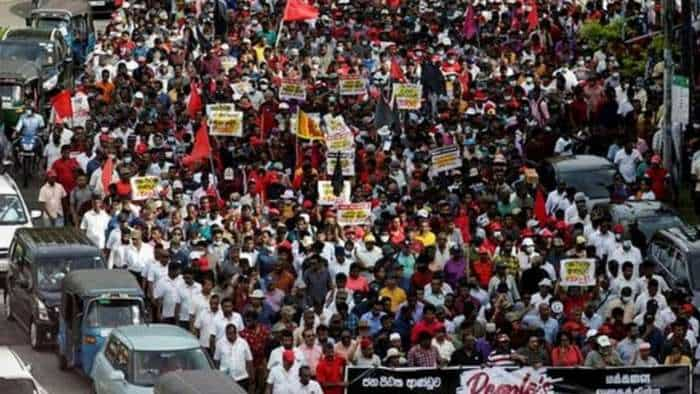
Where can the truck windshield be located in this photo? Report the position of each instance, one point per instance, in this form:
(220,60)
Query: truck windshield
(41,54)
(110,313)
(50,273)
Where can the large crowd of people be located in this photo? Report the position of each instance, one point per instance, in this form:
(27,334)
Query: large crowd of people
(458,267)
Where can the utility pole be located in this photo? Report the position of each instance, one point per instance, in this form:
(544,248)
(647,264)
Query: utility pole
(688,59)
(668,82)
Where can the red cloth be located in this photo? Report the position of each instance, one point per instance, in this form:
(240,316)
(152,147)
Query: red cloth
(123,188)
(62,105)
(65,172)
(331,371)
(297,10)
(540,209)
(194,104)
(658,181)
(107,170)
(469,25)
(532,18)
(202,147)
(396,73)
(482,270)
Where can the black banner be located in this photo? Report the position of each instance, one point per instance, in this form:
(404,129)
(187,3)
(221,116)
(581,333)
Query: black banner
(652,380)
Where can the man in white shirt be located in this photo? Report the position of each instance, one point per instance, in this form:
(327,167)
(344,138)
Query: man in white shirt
(139,255)
(157,270)
(652,292)
(50,196)
(603,240)
(234,357)
(188,289)
(276,355)
(118,250)
(564,145)
(625,279)
(627,160)
(95,222)
(284,376)
(167,296)
(306,385)
(554,197)
(577,212)
(204,323)
(228,315)
(627,252)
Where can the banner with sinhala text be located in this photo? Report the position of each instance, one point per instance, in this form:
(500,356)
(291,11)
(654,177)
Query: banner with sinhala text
(662,379)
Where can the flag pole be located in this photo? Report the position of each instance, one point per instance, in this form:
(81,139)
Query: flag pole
(279,33)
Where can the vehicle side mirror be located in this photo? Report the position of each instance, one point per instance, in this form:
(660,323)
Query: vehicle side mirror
(36,214)
(117,376)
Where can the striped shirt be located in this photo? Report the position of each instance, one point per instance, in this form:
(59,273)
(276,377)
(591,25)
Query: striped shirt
(501,358)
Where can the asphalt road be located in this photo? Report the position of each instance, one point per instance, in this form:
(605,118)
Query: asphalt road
(44,363)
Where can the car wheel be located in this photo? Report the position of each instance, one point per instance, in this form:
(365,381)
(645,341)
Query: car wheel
(33,335)
(8,307)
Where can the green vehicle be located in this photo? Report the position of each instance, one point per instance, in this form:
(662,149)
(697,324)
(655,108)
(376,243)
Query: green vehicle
(20,83)
(93,302)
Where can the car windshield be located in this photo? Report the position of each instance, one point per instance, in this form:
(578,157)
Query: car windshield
(17,386)
(39,53)
(148,366)
(110,313)
(10,93)
(650,224)
(11,210)
(594,183)
(50,273)
(694,272)
(49,24)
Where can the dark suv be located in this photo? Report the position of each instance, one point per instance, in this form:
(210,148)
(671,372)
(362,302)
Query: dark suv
(39,259)
(676,251)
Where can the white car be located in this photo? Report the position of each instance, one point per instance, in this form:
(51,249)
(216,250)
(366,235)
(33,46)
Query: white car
(13,215)
(15,375)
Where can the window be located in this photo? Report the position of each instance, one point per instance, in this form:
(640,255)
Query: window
(661,251)
(677,264)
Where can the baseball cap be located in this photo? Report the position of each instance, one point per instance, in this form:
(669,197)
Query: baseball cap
(603,341)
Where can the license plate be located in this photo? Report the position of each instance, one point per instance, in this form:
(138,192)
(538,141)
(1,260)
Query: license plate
(97,3)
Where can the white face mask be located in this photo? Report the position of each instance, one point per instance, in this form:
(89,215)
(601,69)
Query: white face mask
(529,249)
(384,238)
(618,237)
(626,299)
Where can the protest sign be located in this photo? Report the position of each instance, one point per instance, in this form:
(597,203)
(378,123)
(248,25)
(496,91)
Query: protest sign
(351,85)
(144,187)
(407,95)
(326,196)
(347,163)
(342,142)
(81,110)
(225,120)
(354,214)
(335,124)
(445,158)
(577,272)
(292,89)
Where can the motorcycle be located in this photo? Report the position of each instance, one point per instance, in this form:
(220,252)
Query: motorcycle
(26,156)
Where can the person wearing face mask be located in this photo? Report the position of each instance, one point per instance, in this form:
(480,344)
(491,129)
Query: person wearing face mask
(527,253)
(628,348)
(624,301)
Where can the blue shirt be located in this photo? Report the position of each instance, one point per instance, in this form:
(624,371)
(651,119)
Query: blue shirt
(550,327)
(375,322)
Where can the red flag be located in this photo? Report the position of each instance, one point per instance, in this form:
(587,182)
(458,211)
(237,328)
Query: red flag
(540,210)
(469,25)
(194,104)
(298,10)
(532,18)
(107,170)
(62,105)
(396,73)
(393,3)
(202,147)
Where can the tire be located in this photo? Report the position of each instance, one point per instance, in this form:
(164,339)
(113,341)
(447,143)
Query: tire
(8,308)
(34,335)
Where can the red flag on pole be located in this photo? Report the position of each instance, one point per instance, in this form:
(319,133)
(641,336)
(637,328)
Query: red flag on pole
(194,104)
(298,10)
(62,105)
(533,19)
(540,209)
(202,147)
(396,73)
(469,25)
(107,170)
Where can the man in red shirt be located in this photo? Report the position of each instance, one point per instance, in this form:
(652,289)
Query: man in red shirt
(428,324)
(329,371)
(66,168)
(658,177)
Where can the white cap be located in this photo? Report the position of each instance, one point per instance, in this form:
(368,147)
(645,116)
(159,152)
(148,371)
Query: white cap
(392,352)
(307,241)
(603,341)
(395,336)
(528,242)
(422,213)
(257,293)
(545,282)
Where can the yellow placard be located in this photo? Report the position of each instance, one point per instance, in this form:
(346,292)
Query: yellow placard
(292,90)
(354,214)
(351,85)
(144,187)
(407,96)
(577,272)
(224,120)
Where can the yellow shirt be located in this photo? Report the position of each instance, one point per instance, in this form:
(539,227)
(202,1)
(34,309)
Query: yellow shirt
(397,296)
(427,239)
